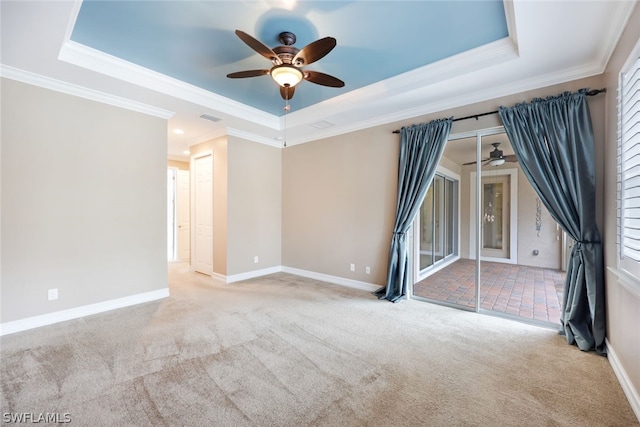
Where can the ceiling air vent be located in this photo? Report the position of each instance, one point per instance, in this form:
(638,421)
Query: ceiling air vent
(322,124)
(210,117)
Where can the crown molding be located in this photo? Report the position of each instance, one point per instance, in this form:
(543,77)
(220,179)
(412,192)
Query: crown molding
(28,77)
(462,100)
(254,137)
(100,62)
(446,69)
(447,103)
(610,41)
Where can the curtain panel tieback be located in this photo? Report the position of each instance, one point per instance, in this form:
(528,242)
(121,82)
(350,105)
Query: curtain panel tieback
(581,243)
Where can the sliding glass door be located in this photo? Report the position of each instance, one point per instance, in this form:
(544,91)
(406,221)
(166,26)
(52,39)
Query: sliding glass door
(483,240)
(437,223)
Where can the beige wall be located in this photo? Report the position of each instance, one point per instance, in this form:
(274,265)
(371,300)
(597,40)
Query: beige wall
(623,304)
(255,206)
(220,195)
(83,202)
(549,248)
(247,204)
(338,204)
(339,194)
(177,164)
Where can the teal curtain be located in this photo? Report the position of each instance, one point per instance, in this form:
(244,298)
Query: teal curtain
(553,142)
(421,148)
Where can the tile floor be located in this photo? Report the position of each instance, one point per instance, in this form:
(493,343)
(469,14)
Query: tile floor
(528,292)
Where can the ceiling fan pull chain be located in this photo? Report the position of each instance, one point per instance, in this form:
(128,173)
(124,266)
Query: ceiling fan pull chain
(287,107)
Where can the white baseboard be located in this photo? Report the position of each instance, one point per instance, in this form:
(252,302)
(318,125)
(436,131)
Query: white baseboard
(350,283)
(304,273)
(253,274)
(629,390)
(85,310)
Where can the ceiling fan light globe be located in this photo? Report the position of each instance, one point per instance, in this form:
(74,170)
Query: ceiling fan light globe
(286,75)
(496,162)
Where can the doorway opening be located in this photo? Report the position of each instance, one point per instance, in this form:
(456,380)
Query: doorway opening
(171,214)
(509,257)
(436,226)
(178,214)
(202,215)
(498,215)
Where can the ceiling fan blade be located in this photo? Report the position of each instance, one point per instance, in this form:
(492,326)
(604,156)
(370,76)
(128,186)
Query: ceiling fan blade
(287,92)
(473,163)
(510,158)
(314,51)
(259,47)
(248,73)
(322,79)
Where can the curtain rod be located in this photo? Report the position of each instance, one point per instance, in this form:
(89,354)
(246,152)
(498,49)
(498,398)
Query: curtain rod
(476,116)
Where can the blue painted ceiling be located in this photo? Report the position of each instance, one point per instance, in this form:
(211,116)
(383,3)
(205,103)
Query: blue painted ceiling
(194,41)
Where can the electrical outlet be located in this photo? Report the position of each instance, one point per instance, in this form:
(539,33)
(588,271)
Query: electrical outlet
(352,267)
(367,269)
(255,259)
(53,294)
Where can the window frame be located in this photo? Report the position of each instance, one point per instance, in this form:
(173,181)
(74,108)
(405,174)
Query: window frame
(626,264)
(419,273)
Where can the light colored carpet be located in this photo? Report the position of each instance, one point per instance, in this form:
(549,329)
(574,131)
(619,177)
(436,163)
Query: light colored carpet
(288,351)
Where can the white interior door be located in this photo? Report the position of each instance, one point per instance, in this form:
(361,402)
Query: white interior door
(203,214)
(183,216)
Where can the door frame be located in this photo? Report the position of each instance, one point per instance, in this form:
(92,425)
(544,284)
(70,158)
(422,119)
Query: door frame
(414,235)
(181,207)
(512,173)
(193,225)
(171,212)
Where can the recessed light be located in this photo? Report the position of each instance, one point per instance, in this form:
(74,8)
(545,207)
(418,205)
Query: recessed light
(186,152)
(178,131)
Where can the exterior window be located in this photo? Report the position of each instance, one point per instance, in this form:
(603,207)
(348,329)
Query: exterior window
(438,223)
(629,167)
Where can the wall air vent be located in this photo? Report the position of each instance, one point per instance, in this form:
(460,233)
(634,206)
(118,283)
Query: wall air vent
(210,117)
(322,124)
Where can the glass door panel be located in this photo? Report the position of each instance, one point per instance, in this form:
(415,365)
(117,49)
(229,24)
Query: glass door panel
(486,242)
(438,218)
(426,230)
(495,216)
(451,216)
(439,243)
(438,223)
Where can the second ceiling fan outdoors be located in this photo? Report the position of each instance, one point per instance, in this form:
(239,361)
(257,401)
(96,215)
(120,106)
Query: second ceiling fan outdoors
(288,62)
(496,158)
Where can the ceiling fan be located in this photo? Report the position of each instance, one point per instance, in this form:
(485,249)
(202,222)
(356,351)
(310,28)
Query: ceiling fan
(496,158)
(288,61)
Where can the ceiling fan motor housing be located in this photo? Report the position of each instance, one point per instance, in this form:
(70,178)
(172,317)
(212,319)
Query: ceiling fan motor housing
(286,54)
(496,153)
(287,38)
